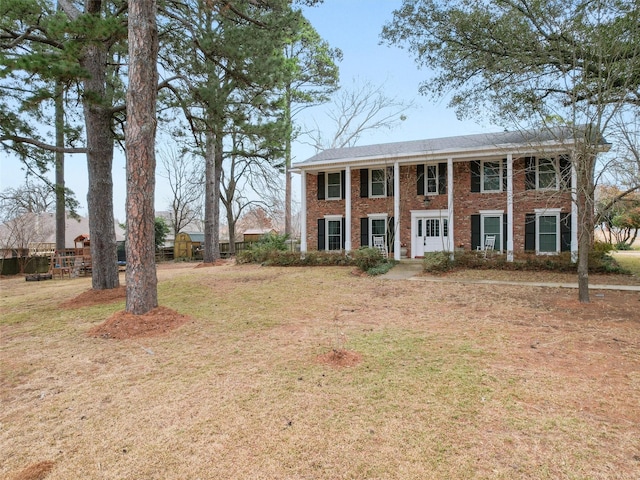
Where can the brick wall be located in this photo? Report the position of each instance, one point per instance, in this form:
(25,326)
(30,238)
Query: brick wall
(466,203)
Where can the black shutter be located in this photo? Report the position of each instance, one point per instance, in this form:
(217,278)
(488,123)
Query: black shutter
(320,185)
(530,174)
(420,179)
(442,178)
(343,183)
(342,232)
(505,232)
(475,232)
(475,175)
(364,232)
(504,175)
(565,172)
(389,181)
(565,232)
(364,183)
(530,232)
(390,235)
(321,245)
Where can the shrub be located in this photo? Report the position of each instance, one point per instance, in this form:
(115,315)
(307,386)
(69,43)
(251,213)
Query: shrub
(437,262)
(382,268)
(367,258)
(261,251)
(605,247)
(622,246)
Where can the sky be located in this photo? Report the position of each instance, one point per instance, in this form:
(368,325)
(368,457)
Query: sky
(354,26)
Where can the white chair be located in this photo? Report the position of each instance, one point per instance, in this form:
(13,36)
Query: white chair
(380,244)
(489,244)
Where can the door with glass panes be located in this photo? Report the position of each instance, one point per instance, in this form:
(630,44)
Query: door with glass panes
(431,235)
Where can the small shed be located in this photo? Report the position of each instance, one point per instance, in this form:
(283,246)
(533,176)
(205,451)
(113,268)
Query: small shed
(186,245)
(255,234)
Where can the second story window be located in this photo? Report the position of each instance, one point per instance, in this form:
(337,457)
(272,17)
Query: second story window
(546,176)
(491,173)
(431,180)
(378,187)
(333,185)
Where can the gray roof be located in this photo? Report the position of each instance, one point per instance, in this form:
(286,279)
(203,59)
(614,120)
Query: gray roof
(462,145)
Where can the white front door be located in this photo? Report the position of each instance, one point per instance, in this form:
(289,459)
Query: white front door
(431,234)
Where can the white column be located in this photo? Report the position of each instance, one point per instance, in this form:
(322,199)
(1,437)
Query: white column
(452,239)
(509,207)
(347,210)
(396,211)
(303,212)
(574,211)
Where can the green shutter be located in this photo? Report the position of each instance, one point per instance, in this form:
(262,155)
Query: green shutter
(343,182)
(475,232)
(505,231)
(504,174)
(442,178)
(565,232)
(321,245)
(364,183)
(420,179)
(530,232)
(475,175)
(390,232)
(321,186)
(530,174)
(565,172)
(364,232)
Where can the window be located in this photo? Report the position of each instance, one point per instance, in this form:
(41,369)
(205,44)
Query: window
(491,173)
(491,224)
(548,231)
(378,187)
(334,234)
(431,180)
(377,227)
(546,176)
(334,188)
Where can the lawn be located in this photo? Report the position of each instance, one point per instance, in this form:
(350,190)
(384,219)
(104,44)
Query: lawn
(316,373)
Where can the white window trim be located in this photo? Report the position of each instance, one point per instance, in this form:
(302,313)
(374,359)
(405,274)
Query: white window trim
(326,186)
(556,167)
(548,212)
(501,163)
(492,213)
(384,183)
(378,216)
(327,219)
(426,177)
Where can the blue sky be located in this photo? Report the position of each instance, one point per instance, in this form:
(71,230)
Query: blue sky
(354,26)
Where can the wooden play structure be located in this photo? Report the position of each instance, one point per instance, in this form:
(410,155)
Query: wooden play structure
(72,262)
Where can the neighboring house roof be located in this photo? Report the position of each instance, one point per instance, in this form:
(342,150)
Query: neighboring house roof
(195,236)
(464,146)
(44,230)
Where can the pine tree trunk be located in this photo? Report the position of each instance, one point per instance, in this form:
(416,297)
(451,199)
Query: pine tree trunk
(142,292)
(99,161)
(59,188)
(585,172)
(209,198)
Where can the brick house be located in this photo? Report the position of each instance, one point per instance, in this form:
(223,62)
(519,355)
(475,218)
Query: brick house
(443,194)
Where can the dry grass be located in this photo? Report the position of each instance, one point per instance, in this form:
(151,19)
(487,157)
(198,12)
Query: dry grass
(452,381)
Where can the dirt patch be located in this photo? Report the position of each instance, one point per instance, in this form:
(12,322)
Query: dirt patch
(96,297)
(340,358)
(123,325)
(217,263)
(37,471)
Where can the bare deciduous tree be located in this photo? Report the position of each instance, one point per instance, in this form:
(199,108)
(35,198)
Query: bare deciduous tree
(184,175)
